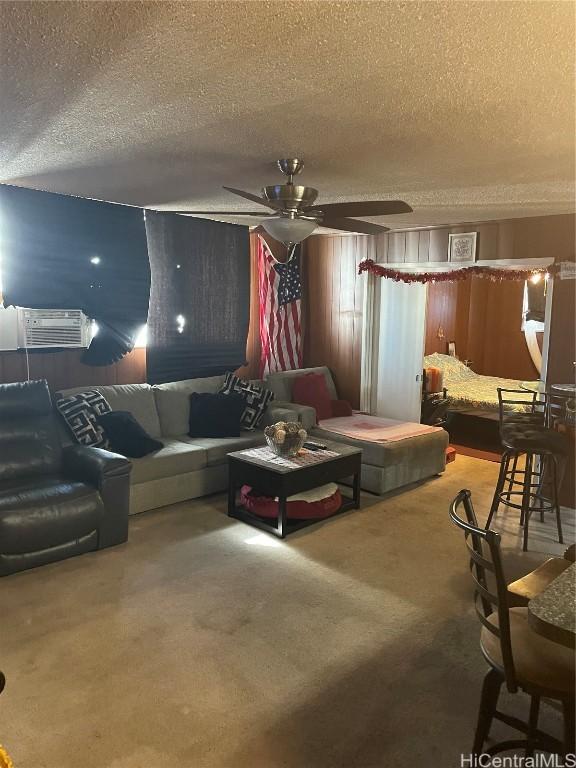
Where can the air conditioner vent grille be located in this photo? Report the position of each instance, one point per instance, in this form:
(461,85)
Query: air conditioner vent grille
(39,328)
(57,337)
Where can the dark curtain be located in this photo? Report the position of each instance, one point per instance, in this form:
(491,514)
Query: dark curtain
(71,253)
(200,297)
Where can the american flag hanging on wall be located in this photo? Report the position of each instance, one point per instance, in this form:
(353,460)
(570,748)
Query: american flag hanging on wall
(280,297)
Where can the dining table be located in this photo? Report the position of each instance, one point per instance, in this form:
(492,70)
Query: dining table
(552,613)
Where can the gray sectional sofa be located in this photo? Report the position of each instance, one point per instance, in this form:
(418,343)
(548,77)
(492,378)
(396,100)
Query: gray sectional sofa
(186,467)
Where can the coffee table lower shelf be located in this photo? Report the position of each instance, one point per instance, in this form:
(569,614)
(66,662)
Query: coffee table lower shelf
(269,481)
(282,529)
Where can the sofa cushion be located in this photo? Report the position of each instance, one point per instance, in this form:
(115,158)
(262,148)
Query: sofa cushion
(47,513)
(217,448)
(173,402)
(138,399)
(281,382)
(176,458)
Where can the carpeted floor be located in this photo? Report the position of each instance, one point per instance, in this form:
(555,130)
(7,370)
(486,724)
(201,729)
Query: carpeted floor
(206,644)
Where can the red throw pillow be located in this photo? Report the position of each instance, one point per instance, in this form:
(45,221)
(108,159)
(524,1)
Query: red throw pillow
(311,389)
(341,408)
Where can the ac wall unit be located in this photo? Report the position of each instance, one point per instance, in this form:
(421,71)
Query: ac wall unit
(8,329)
(45,328)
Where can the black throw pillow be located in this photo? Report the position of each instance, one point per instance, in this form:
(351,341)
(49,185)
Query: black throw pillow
(215,415)
(126,435)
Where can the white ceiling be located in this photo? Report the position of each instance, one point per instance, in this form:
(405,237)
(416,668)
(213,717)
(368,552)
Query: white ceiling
(463,109)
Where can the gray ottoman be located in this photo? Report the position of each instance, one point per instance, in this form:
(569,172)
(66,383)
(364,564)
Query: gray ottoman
(387,466)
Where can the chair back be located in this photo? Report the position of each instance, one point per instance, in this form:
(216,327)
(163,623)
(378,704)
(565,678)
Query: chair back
(521,406)
(434,410)
(29,439)
(561,407)
(490,602)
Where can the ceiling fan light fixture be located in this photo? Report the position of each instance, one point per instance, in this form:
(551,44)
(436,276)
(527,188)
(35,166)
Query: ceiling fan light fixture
(295,216)
(287,230)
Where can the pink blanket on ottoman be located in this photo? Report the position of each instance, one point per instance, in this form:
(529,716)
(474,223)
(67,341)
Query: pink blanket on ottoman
(375,429)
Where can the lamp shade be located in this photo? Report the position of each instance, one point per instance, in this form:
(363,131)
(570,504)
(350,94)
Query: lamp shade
(287,230)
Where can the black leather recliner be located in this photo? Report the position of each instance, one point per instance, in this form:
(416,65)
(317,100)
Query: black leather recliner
(55,501)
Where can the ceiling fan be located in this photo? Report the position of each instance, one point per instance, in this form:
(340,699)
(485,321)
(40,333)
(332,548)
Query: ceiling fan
(295,216)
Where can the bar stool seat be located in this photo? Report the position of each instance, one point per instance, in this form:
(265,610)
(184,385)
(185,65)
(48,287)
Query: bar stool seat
(526,438)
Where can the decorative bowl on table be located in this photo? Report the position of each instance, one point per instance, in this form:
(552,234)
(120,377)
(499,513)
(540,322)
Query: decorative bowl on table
(285,438)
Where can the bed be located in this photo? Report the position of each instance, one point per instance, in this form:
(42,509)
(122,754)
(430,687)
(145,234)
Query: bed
(470,393)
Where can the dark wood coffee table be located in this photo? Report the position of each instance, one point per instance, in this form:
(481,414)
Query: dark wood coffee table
(273,479)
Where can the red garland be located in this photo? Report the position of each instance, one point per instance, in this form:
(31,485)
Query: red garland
(489,273)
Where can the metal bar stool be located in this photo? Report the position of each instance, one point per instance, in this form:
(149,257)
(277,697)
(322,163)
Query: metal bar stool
(533,486)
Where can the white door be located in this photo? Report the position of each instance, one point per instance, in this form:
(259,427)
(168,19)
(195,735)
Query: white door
(398,349)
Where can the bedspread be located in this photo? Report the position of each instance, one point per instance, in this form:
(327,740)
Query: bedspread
(466,389)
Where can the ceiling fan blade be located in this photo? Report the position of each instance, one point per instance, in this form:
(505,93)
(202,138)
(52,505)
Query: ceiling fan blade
(254,198)
(353,225)
(261,214)
(366,208)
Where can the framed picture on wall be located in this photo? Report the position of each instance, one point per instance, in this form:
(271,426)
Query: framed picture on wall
(462,248)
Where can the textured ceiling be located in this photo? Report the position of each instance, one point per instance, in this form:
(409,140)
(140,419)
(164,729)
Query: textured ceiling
(463,109)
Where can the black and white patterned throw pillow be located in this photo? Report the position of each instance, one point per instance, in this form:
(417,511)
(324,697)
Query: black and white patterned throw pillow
(81,412)
(255,397)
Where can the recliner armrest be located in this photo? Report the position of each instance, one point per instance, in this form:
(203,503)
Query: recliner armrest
(110,474)
(93,465)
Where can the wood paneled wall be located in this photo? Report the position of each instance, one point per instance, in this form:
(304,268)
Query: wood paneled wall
(495,342)
(333,307)
(63,369)
(327,342)
(538,237)
(441,322)
(484,319)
